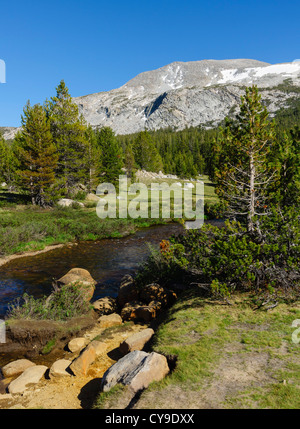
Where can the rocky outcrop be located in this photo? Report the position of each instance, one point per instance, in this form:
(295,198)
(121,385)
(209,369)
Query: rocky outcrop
(155,292)
(137,370)
(29,377)
(128,312)
(144,303)
(184,94)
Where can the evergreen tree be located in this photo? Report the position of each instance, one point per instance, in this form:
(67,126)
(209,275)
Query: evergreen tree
(38,155)
(111,156)
(145,152)
(93,159)
(287,189)
(129,161)
(243,174)
(70,137)
(8,162)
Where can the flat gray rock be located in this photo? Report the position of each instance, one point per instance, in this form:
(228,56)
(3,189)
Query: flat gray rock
(137,370)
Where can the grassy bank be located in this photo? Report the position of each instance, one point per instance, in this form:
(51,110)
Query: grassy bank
(30,229)
(24,228)
(228,356)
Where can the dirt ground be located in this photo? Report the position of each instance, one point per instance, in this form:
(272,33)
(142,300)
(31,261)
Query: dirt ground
(71,392)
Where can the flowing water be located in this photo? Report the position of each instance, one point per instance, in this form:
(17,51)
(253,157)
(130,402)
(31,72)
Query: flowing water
(107,260)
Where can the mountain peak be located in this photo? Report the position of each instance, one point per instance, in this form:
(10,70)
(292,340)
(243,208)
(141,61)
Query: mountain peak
(183,94)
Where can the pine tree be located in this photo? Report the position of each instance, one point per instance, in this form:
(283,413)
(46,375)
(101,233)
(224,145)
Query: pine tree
(129,161)
(243,174)
(111,156)
(146,154)
(70,137)
(288,185)
(38,156)
(8,162)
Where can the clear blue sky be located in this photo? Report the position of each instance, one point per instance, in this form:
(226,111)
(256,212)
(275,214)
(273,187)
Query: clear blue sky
(97,45)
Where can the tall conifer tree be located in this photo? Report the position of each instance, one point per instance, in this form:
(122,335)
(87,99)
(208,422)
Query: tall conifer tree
(38,156)
(68,129)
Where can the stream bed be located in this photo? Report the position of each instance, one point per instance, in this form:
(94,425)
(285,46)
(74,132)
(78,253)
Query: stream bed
(108,260)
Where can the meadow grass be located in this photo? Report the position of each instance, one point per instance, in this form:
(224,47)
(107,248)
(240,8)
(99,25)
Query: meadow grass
(212,342)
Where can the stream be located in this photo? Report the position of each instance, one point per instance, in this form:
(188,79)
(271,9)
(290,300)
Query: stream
(107,260)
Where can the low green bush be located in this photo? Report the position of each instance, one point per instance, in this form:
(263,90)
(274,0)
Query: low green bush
(62,304)
(229,258)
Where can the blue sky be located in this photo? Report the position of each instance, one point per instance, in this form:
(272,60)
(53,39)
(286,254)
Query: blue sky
(97,45)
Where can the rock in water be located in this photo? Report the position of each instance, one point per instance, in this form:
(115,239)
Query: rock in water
(82,277)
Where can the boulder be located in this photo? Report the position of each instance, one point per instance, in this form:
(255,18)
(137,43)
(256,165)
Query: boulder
(128,291)
(99,347)
(155,292)
(145,313)
(58,369)
(29,377)
(136,341)
(80,365)
(82,278)
(67,202)
(92,197)
(128,311)
(110,320)
(105,305)
(77,344)
(137,370)
(16,367)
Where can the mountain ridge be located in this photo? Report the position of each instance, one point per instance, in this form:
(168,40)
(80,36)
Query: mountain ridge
(184,94)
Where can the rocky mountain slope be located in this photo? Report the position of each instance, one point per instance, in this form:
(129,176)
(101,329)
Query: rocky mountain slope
(187,94)
(184,94)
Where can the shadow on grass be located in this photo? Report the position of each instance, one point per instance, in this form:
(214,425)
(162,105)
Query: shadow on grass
(14,198)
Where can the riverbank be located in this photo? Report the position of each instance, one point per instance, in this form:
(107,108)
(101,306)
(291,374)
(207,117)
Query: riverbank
(226,355)
(31,230)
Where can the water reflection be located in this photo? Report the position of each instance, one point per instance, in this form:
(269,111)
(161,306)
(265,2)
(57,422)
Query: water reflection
(107,260)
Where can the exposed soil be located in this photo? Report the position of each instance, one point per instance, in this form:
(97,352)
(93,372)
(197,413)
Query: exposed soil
(72,392)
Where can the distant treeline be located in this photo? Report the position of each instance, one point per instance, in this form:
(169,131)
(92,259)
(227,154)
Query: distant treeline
(189,152)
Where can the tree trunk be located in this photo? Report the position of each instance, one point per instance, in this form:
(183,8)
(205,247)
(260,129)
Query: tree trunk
(252,196)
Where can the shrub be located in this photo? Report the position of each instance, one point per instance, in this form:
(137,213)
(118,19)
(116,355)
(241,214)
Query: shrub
(63,303)
(231,259)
